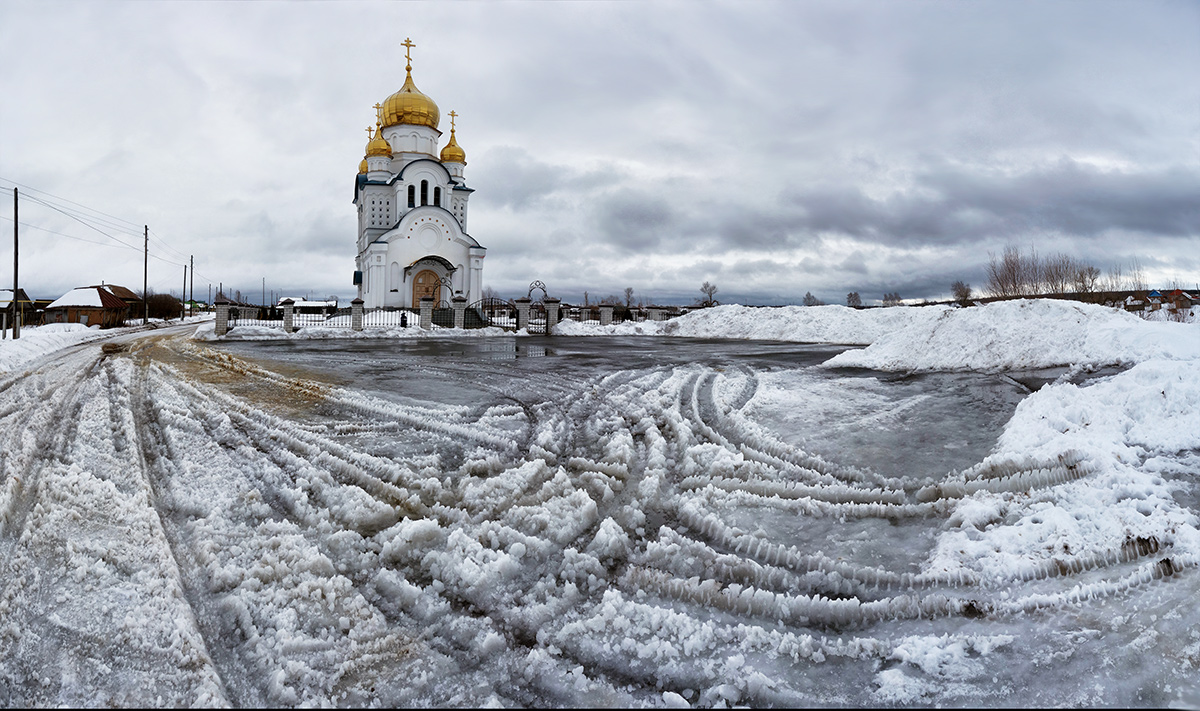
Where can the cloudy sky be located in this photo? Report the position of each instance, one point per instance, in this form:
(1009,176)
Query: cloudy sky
(771,148)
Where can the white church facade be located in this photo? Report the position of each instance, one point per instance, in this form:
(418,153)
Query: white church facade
(412,208)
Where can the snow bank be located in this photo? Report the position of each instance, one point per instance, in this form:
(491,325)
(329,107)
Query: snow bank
(1014,335)
(1128,430)
(805,324)
(801,324)
(36,341)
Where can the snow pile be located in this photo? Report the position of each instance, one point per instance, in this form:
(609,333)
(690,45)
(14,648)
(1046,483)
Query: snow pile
(805,324)
(1127,432)
(37,341)
(1014,335)
(802,324)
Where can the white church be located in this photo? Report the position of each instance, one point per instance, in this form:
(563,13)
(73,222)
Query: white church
(412,207)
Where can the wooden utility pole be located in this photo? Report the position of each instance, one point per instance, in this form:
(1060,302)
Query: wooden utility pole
(192,289)
(146,278)
(183,295)
(16,262)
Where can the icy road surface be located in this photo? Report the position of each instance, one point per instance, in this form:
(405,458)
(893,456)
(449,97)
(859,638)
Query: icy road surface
(602,521)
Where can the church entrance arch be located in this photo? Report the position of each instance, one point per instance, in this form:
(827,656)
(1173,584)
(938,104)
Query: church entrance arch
(427,283)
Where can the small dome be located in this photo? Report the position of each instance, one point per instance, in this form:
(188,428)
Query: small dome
(410,107)
(378,145)
(452,153)
(362,167)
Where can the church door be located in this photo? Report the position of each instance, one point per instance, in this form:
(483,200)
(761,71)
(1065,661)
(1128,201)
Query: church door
(427,283)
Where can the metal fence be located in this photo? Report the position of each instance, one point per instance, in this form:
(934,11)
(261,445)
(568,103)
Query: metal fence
(270,317)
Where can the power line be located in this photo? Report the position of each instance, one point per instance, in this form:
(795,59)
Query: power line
(80,205)
(112,223)
(81,221)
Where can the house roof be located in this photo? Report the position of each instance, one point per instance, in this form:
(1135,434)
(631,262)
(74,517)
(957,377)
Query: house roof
(90,296)
(6,297)
(118,291)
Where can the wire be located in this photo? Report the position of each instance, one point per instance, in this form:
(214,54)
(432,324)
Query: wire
(60,234)
(81,221)
(113,223)
(57,197)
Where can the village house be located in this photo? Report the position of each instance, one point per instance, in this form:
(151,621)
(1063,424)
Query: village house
(8,310)
(89,305)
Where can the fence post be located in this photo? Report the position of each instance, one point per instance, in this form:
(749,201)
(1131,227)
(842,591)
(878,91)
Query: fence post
(356,314)
(426,312)
(552,305)
(222,317)
(522,313)
(606,314)
(460,310)
(289,308)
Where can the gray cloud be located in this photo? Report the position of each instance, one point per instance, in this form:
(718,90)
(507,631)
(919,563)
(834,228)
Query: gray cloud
(784,147)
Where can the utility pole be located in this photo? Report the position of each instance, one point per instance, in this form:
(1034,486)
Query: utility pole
(192,299)
(16,263)
(264,299)
(183,294)
(146,278)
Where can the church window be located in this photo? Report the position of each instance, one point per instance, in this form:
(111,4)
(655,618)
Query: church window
(437,197)
(412,196)
(424,192)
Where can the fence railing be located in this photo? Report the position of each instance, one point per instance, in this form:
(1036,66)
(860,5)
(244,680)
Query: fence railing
(486,312)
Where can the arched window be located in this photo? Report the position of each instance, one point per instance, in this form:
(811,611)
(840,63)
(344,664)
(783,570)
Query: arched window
(424,192)
(412,196)
(437,197)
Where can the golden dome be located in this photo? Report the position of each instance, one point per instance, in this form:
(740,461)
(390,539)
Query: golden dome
(362,167)
(378,145)
(410,107)
(453,153)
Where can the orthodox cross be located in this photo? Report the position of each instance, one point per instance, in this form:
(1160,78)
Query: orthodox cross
(452,116)
(408,45)
(370,132)
(378,111)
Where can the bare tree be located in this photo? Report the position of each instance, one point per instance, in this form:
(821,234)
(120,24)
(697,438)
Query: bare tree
(1058,272)
(1137,278)
(961,291)
(853,299)
(708,290)
(1115,279)
(892,299)
(585,299)
(628,296)
(1087,278)
(1004,273)
(810,300)
(490,293)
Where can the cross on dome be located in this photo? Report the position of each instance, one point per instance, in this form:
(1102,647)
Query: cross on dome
(408,45)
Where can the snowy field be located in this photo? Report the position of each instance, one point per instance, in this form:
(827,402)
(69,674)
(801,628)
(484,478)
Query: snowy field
(988,506)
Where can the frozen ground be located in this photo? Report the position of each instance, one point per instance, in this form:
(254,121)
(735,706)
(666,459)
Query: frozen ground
(991,506)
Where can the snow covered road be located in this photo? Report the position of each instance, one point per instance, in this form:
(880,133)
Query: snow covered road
(182,524)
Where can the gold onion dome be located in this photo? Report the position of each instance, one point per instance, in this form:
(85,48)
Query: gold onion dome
(453,153)
(378,145)
(362,167)
(409,106)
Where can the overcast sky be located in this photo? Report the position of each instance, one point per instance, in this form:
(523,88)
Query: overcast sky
(771,148)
